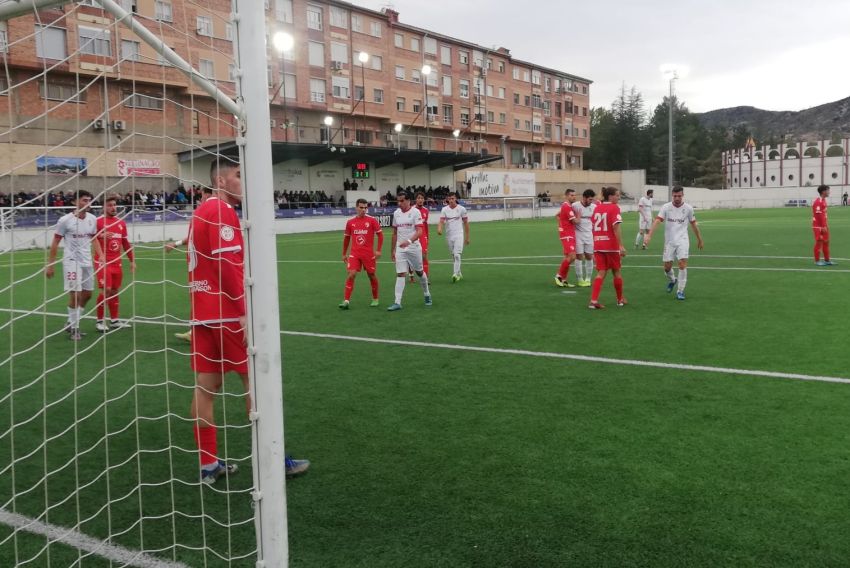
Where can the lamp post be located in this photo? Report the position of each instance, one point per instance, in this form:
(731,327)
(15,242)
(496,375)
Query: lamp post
(426,71)
(363,58)
(329,120)
(397,129)
(456,134)
(671,72)
(283,43)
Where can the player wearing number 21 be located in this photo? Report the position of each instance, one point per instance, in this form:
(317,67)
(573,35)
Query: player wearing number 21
(608,246)
(360,232)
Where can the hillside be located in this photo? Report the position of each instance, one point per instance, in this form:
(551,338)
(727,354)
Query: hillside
(811,124)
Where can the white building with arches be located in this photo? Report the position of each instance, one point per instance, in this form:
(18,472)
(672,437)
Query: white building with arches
(803,164)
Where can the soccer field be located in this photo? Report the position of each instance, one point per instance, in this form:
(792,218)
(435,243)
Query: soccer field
(506,425)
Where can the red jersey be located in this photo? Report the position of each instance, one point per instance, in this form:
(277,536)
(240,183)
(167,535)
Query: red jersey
(112,233)
(362,234)
(216,264)
(819,218)
(566,228)
(605,216)
(425,213)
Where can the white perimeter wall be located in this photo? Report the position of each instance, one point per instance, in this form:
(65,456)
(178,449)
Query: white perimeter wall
(745,198)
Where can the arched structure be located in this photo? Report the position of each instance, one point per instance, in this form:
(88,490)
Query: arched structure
(788,165)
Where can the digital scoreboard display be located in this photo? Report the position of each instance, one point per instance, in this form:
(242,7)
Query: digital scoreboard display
(360,171)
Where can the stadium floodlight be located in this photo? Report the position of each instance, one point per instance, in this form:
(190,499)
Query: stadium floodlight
(456,134)
(426,71)
(283,42)
(398,127)
(671,72)
(329,120)
(363,58)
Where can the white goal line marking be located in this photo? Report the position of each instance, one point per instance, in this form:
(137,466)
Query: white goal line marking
(80,541)
(573,357)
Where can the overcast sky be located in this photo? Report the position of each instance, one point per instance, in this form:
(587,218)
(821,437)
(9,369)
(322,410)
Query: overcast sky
(775,55)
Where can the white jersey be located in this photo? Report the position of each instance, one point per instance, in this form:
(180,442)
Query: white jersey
(645,208)
(585,226)
(78,235)
(676,221)
(453,219)
(405,224)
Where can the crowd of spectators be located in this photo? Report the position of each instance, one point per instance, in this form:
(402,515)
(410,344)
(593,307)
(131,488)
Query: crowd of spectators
(306,200)
(433,195)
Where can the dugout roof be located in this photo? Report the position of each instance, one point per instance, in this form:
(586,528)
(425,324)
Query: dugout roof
(319,153)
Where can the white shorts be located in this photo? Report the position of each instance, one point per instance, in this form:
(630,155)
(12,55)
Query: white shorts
(77,278)
(455,244)
(584,243)
(675,251)
(644,224)
(408,258)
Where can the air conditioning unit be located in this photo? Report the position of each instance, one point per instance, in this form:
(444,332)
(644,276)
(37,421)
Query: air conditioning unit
(336,65)
(272,123)
(119,125)
(98,124)
(356,143)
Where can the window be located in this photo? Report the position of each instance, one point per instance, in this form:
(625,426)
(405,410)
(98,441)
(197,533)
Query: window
(516,124)
(547,131)
(464,89)
(547,108)
(417,105)
(399,72)
(503,118)
(356,23)
(447,86)
(557,132)
(527,100)
(314,17)
(414,44)
(399,104)
(378,95)
(56,91)
(489,63)
(375,28)
(491,116)
(431,79)
(317,90)
(269,76)
(282,11)
(415,76)
(339,17)
(231,72)
(527,125)
(363,136)
(464,116)
(584,111)
(525,75)
(196,123)
(448,114)
(162,11)
(430,46)
(463,57)
(445,55)
(501,66)
(489,90)
(398,40)
(204,26)
(516,98)
(139,100)
(432,107)
(316,52)
(207,69)
(339,52)
(228,32)
(516,156)
(129,50)
(358,93)
(584,89)
(547,84)
(4,37)
(377,62)
(557,109)
(340,87)
(516,73)
(536,101)
(535,77)
(95,41)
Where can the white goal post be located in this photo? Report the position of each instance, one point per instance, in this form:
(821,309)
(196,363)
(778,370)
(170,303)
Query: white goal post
(263,496)
(520,208)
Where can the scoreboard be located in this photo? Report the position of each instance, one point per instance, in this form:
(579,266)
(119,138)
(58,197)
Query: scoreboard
(360,170)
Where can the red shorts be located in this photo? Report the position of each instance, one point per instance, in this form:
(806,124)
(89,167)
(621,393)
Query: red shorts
(358,262)
(569,244)
(819,236)
(110,276)
(423,241)
(218,348)
(607,260)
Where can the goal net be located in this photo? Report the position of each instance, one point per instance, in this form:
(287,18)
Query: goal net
(130,102)
(520,208)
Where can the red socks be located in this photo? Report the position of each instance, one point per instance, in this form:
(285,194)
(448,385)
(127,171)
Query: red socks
(818,245)
(374,283)
(112,303)
(100,307)
(349,288)
(425,265)
(618,286)
(826,251)
(205,438)
(564,270)
(597,288)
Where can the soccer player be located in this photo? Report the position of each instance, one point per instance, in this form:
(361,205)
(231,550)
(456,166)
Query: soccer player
(217,294)
(820,227)
(456,221)
(423,240)
(567,221)
(608,246)
(407,252)
(676,215)
(78,228)
(112,238)
(362,229)
(584,236)
(644,218)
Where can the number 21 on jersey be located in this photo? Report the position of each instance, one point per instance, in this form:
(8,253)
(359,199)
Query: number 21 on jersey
(600,222)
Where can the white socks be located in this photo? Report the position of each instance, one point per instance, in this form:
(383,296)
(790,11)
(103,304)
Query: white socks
(638,239)
(456,257)
(423,281)
(588,269)
(683,279)
(399,288)
(74,317)
(669,274)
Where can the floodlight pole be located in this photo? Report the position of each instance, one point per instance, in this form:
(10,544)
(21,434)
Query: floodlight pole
(673,77)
